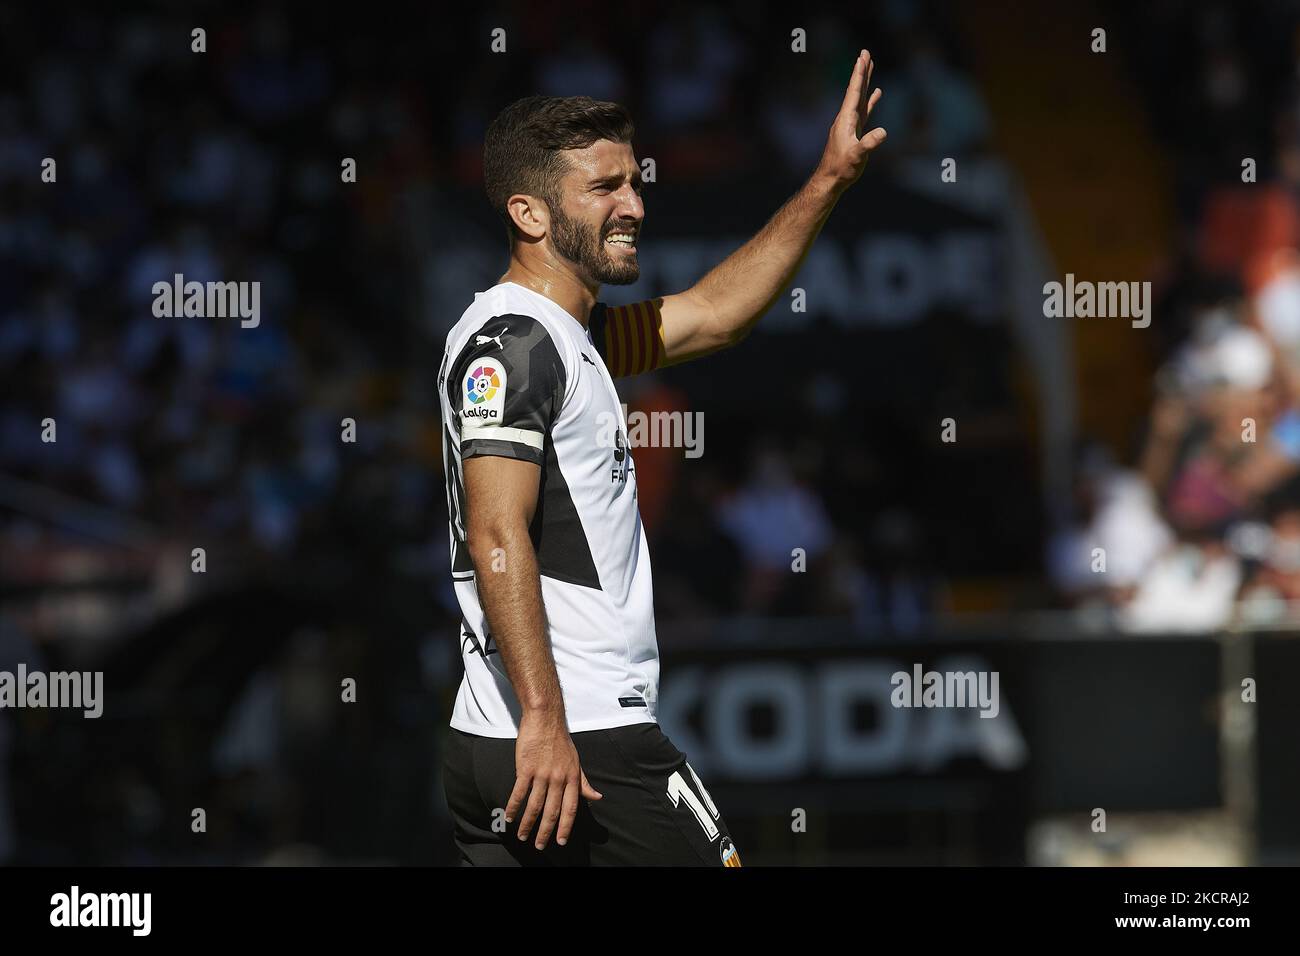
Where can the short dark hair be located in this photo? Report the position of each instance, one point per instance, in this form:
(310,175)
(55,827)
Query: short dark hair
(521,146)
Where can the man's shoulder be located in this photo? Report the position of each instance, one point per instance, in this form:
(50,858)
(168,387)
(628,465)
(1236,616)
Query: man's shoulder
(511,328)
(499,305)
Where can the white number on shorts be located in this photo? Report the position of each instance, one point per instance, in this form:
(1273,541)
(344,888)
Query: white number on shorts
(679,790)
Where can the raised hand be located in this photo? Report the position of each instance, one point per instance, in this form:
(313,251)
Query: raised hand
(847,147)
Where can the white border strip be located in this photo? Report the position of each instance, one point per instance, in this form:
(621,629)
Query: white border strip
(499,432)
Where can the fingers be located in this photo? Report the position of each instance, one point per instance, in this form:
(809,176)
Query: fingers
(568,812)
(873,138)
(871,103)
(859,115)
(517,797)
(865,109)
(536,801)
(854,93)
(556,794)
(556,803)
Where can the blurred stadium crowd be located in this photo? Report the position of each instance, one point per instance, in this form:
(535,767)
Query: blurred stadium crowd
(1197,525)
(225,166)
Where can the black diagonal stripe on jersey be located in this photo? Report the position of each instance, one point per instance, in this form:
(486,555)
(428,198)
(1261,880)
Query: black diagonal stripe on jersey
(535,382)
(563,552)
(462,567)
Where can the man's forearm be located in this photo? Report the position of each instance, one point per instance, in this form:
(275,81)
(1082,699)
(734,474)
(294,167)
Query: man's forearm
(742,287)
(512,601)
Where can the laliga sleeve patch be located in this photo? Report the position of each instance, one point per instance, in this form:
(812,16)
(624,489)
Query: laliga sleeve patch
(483,394)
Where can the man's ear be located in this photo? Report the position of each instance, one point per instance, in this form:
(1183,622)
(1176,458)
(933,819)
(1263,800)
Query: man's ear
(529,214)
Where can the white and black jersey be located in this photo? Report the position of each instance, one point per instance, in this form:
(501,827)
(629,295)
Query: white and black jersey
(522,378)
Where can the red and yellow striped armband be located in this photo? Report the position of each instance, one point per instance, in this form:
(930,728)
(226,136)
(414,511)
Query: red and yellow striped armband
(630,338)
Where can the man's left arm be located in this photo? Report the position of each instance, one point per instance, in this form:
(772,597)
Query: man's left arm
(720,309)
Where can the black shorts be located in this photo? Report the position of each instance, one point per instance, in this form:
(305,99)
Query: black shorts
(654,811)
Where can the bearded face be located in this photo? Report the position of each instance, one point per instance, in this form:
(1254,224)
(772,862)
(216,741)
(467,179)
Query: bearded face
(606,253)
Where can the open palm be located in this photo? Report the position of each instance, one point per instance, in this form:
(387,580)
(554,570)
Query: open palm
(848,148)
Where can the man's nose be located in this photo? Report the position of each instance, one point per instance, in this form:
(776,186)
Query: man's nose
(629,204)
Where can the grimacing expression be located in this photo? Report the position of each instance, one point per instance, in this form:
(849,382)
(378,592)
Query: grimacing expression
(598,220)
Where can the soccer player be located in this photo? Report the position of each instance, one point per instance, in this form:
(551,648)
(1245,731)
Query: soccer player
(555,756)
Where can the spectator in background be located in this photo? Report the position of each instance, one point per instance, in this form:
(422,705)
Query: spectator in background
(1118,535)
(1272,592)
(1277,309)
(1215,450)
(1221,437)
(1191,587)
(777,522)
(1225,434)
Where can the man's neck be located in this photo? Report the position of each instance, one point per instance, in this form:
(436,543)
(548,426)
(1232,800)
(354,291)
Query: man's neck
(562,288)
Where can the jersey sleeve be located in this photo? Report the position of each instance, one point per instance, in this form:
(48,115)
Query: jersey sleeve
(507,387)
(630,338)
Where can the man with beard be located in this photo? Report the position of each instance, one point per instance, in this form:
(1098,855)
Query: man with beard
(554,731)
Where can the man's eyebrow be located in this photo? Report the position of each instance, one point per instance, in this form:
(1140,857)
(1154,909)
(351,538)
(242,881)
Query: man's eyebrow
(616,178)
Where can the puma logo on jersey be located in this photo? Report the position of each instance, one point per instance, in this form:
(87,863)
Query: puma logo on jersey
(484,339)
(587,360)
